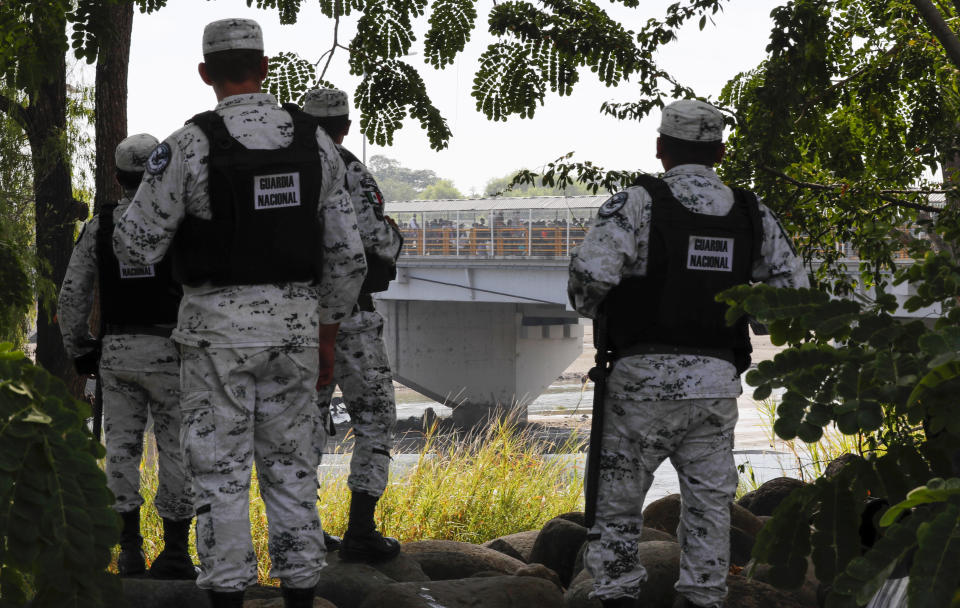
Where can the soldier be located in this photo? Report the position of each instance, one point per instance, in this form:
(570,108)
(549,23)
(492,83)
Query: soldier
(650,266)
(250,199)
(362,367)
(139,371)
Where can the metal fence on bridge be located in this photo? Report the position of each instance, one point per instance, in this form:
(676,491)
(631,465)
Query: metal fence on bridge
(545,227)
(538,227)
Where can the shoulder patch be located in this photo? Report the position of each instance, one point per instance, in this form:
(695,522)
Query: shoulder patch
(159,159)
(613,204)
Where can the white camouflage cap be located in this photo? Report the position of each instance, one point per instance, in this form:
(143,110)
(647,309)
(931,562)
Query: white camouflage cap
(132,153)
(231,35)
(692,120)
(326,102)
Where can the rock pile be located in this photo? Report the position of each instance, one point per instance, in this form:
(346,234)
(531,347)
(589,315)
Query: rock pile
(534,569)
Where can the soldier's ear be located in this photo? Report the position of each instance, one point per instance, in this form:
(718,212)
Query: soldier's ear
(659,149)
(721,150)
(204,76)
(264,68)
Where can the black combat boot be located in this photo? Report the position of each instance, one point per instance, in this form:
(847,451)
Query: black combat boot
(131,560)
(361,542)
(620,602)
(331,542)
(174,561)
(297,598)
(225,599)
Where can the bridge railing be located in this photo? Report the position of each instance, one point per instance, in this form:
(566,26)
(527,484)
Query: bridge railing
(517,233)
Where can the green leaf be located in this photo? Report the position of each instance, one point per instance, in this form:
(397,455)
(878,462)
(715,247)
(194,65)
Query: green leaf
(451,22)
(289,77)
(784,542)
(930,493)
(836,539)
(934,378)
(934,577)
(864,576)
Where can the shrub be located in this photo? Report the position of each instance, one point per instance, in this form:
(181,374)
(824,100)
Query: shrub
(56,523)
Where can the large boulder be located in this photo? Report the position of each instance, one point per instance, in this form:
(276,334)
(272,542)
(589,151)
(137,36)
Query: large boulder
(402,568)
(769,495)
(517,546)
(481,592)
(318,602)
(557,547)
(806,595)
(664,515)
(577,517)
(447,559)
(347,584)
(151,593)
(745,592)
(833,469)
(577,595)
(540,571)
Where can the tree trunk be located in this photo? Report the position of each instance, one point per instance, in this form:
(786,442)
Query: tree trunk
(55,211)
(111,98)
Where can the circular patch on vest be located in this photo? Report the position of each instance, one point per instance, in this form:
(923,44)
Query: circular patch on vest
(159,159)
(613,204)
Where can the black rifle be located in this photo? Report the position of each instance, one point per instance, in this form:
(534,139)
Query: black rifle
(598,374)
(87,365)
(98,409)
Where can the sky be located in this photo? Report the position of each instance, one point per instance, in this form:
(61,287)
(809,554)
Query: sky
(165,90)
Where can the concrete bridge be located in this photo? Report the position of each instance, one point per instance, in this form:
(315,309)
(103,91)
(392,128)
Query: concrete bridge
(478,316)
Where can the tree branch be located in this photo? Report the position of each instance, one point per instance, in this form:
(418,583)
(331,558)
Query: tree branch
(15,111)
(886,195)
(333,47)
(940,29)
(844,81)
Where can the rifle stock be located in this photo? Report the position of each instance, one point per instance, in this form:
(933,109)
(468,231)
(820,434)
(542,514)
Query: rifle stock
(598,374)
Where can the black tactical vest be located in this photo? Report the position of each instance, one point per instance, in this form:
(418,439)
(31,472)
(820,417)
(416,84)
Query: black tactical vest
(692,258)
(379,271)
(264,227)
(133,295)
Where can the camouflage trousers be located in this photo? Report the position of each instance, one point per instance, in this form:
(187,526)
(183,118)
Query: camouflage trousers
(128,397)
(362,371)
(697,436)
(246,405)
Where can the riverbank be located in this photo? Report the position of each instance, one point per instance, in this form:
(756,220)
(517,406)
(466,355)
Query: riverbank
(562,415)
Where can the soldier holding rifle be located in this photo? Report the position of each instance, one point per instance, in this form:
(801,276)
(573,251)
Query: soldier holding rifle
(647,272)
(138,368)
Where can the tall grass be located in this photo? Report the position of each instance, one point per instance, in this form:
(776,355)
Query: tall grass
(488,484)
(811,458)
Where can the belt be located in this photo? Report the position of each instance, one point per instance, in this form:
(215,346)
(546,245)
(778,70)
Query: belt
(726,354)
(162,331)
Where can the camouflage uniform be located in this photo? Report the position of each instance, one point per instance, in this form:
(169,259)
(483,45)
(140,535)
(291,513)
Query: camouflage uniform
(362,369)
(140,375)
(249,354)
(657,406)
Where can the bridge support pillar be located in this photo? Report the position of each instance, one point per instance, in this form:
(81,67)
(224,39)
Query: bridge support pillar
(480,356)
